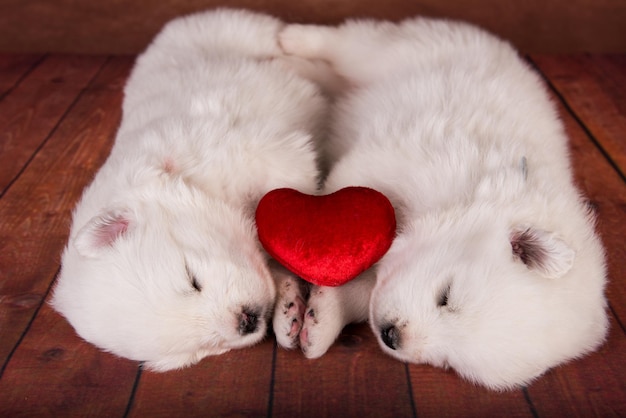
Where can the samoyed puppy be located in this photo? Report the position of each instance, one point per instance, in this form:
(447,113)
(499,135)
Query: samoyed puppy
(163,264)
(496,270)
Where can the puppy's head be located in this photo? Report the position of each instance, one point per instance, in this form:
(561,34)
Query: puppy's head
(498,303)
(167,277)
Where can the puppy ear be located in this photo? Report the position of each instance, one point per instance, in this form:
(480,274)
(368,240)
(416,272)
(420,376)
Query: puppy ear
(542,251)
(101,232)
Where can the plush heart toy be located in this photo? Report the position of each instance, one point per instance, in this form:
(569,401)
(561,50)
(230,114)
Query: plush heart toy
(327,240)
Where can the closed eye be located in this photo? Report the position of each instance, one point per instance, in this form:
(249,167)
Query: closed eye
(195,284)
(443,296)
(193,279)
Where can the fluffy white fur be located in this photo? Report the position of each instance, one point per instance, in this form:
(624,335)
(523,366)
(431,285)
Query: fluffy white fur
(163,263)
(496,271)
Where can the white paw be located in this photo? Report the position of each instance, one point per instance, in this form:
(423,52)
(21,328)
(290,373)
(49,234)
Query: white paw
(289,311)
(323,322)
(306,41)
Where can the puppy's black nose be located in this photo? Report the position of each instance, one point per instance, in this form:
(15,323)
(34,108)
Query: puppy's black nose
(390,336)
(248,321)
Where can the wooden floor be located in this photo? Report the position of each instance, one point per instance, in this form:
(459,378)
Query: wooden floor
(58,117)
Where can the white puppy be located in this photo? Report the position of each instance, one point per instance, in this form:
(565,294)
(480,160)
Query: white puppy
(163,263)
(496,270)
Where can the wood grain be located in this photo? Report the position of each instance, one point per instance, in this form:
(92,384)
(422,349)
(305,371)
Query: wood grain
(13,68)
(354,379)
(47,370)
(594,87)
(35,212)
(55,373)
(580,382)
(593,386)
(606,191)
(114,27)
(32,110)
(442,393)
(235,384)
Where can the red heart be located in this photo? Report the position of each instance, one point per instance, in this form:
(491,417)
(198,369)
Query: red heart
(327,240)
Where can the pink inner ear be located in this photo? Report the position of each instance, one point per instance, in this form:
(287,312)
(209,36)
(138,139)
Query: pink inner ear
(101,232)
(527,247)
(109,230)
(542,251)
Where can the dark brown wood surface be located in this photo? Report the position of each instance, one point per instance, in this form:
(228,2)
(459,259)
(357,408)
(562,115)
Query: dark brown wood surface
(119,27)
(58,118)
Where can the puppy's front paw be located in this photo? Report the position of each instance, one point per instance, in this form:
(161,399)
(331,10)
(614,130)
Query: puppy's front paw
(305,41)
(323,322)
(289,310)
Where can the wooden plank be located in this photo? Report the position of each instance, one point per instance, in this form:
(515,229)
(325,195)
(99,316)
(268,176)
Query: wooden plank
(594,385)
(354,379)
(51,371)
(594,86)
(442,393)
(607,194)
(54,373)
(33,109)
(35,213)
(234,384)
(115,74)
(13,67)
(120,27)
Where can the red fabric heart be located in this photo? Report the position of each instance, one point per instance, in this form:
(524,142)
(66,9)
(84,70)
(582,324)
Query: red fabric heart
(327,240)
